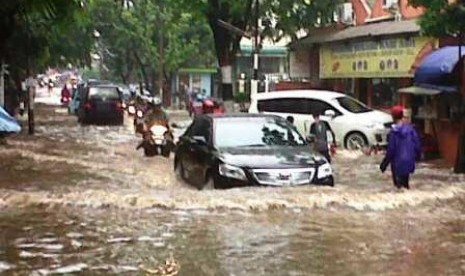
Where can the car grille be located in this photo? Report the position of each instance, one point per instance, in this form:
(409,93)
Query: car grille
(284,177)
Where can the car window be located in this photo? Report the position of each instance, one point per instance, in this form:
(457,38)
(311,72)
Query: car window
(284,105)
(352,105)
(317,106)
(103,93)
(255,131)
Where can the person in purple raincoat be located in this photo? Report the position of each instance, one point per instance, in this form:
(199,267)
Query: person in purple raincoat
(404,148)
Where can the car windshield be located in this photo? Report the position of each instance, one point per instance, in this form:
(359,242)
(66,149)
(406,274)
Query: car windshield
(103,93)
(255,132)
(352,105)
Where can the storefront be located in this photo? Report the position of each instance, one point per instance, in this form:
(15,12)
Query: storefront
(436,102)
(378,67)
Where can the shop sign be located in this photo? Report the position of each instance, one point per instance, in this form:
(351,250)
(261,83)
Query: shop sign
(382,58)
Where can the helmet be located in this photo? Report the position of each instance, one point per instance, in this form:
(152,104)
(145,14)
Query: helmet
(155,101)
(208,103)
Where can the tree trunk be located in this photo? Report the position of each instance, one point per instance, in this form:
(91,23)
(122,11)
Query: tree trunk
(226,43)
(142,69)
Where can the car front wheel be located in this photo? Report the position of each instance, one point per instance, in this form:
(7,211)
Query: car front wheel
(356,141)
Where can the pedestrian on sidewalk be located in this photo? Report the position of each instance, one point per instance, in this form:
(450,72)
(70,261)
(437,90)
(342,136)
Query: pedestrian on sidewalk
(319,129)
(50,86)
(404,148)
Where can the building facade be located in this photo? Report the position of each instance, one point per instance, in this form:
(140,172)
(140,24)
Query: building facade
(370,53)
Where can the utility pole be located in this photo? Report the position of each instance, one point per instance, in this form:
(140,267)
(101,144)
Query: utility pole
(30,84)
(254,81)
(460,159)
(161,43)
(3,72)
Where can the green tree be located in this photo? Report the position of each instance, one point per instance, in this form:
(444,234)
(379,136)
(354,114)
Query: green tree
(151,40)
(33,30)
(290,16)
(442,18)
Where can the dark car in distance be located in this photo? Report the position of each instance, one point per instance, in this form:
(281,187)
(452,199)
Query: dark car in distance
(101,103)
(234,150)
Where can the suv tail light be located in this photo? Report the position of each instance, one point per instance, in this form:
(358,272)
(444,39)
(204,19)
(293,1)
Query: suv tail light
(119,105)
(88,106)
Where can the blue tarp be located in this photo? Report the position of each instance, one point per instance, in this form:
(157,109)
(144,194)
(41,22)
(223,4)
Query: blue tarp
(436,70)
(8,123)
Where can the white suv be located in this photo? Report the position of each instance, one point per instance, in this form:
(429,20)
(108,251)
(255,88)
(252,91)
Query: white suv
(355,125)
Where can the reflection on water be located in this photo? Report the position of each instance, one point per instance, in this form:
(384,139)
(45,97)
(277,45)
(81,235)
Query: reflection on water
(414,242)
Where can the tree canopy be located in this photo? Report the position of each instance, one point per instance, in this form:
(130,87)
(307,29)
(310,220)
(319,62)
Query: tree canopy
(34,34)
(287,17)
(141,39)
(441,17)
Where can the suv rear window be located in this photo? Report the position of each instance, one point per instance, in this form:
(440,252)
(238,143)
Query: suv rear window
(103,93)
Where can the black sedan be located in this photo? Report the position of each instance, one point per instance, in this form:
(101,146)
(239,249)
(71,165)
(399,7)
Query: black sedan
(225,151)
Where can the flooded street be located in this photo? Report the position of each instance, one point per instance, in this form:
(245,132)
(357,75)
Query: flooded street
(81,199)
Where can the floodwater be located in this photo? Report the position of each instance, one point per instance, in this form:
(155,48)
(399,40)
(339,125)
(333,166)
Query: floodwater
(82,200)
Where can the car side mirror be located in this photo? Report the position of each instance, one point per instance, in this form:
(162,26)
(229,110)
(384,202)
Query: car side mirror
(200,140)
(330,113)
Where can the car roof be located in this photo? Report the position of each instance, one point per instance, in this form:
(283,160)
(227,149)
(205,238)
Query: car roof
(104,85)
(236,115)
(310,93)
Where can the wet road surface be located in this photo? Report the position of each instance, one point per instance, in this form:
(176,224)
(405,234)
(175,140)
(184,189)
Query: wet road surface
(82,199)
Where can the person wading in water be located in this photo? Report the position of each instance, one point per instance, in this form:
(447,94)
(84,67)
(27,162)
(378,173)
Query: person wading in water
(404,148)
(319,129)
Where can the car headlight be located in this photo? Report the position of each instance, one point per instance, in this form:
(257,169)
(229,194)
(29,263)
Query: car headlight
(324,171)
(232,172)
(140,114)
(131,109)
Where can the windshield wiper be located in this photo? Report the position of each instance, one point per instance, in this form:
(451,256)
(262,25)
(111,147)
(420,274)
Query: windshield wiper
(253,146)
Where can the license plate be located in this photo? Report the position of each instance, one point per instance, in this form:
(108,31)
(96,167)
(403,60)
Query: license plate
(158,142)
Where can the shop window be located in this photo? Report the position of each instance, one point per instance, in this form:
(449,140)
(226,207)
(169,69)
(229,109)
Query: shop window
(197,82)
(384,93)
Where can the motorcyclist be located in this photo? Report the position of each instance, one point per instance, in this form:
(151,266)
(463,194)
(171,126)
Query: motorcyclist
(156,113)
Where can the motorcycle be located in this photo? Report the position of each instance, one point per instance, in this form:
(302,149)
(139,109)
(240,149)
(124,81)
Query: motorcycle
(158,140)
(198,106)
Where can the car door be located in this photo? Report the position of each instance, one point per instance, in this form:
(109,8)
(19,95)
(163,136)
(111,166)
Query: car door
(197,150)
